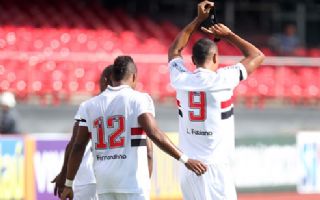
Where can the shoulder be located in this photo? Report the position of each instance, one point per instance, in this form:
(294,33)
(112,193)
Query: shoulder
(84,103)
(176,60)
(233,74)
(238,66)
(178,64)
(90,101)
(140,96)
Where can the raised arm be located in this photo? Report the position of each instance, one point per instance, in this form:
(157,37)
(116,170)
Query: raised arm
(149,125)
(253,57)
(61,177)
(183,37)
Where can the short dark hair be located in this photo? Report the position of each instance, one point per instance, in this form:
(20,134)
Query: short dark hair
(106,73)
(202,49)
(123,66)
(105,78)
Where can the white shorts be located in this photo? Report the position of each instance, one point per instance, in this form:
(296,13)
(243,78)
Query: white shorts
(85,192)
(124,196)
(216,184)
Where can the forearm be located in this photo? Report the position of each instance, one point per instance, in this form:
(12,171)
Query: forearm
(149,125)
(69,148)
(67,152)
(75,160)
(245,47)
(253,56)
(182,39)
(165,144)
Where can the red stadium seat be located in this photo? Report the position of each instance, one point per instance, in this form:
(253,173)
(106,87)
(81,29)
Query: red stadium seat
(14,78)
(291,88)
(310,82)
(45,54)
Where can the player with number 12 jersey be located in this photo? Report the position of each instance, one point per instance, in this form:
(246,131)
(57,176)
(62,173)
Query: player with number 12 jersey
(118,142)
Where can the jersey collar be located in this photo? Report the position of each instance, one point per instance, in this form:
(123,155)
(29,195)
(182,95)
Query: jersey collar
(117,88)
(201,69)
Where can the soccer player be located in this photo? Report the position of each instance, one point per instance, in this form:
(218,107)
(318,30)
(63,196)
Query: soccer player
(119,121)
(85,183)
(204,98)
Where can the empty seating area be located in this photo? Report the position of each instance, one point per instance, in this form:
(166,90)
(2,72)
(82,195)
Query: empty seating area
(59,48)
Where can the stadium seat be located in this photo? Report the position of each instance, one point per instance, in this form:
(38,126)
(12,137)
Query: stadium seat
(310,83)
(45,54)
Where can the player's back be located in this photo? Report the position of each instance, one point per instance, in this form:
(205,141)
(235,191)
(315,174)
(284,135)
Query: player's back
(119,144)
(206,123)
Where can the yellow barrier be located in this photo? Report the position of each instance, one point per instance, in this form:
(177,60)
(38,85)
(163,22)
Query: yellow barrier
(11,168)
(165,177)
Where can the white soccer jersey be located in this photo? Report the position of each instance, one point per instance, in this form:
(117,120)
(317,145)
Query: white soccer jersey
(85,173)
(119,143)
(204,98)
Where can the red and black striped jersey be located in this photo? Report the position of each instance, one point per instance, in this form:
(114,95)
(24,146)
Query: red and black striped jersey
(205,102)
(119,143)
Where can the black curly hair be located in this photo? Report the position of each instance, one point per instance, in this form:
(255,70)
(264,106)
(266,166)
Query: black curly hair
(105,78)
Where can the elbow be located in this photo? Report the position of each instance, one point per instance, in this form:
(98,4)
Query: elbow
(156,136)
(258,57)
(261,57)
(254,61)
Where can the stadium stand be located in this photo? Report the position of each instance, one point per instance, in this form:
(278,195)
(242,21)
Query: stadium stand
(60,50)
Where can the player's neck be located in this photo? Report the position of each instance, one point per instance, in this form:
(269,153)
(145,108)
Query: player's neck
(208,67)
(120,83)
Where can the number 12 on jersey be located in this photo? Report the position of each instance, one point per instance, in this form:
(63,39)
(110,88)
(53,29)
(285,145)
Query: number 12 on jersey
(197,101)
(114,139)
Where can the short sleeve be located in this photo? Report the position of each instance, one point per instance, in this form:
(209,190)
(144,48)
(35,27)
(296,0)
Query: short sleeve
(144,104)
(77,116)
(233,74)
(176,68)
(82,116)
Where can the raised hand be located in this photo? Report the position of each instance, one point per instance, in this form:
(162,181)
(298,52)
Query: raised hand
(196,166)
(218,30)
(204,8)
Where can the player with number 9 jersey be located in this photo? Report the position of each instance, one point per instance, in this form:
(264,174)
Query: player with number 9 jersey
(205,101)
